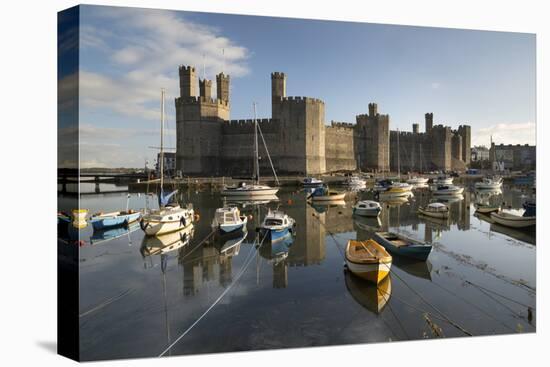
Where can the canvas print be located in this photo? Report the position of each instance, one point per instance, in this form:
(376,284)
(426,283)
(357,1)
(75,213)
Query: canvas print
(236,183)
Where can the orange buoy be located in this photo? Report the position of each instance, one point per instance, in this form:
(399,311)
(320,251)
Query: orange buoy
(289,202)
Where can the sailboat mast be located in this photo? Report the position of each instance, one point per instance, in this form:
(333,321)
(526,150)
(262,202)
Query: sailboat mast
(161,138)
(256,153)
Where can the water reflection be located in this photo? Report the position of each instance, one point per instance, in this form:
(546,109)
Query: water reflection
(369,295)
(106,235)
(419,269)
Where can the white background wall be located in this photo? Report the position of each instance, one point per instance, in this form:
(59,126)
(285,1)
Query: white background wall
(28,116)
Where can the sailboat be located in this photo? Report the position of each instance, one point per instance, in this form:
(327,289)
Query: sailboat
(254,190)
(170,216)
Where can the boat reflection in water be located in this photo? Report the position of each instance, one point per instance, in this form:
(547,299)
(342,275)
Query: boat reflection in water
(419,269)
(166,243)
(393,201)
(106,235)
(230,244)
(325,207)
(369,295)
(449,198)
(368,224)
(252,201)
(277,254)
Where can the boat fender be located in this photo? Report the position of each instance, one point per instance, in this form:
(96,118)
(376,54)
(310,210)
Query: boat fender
(250,217)
(125,224)
(197,217)
(182,221)
(142,225)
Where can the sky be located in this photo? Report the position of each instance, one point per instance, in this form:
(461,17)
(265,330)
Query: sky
(480,78)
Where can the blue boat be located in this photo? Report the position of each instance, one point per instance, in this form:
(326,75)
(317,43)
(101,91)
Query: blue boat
(400,245)
(114,219)
(277,225)
(229,219)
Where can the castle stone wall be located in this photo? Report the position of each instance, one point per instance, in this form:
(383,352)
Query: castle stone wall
(340,147)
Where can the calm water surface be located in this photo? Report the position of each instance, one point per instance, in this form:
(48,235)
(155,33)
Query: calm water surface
(139,295)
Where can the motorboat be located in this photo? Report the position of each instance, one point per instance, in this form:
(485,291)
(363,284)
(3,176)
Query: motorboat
(435,210)
(367,208)
(368,260)
(447,190)
(229,219)
(401,245)
(382,185)
(277,225)
(114,219)
(489,183)
(312,182)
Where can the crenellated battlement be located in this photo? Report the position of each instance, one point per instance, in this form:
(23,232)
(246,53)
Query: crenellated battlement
(201,100)
(365,116)
(247,126)
(187,68)
(278,75)
(340,125)
(299,99)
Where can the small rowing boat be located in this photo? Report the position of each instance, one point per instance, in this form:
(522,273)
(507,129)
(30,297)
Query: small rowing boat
(368,260)
(486,209)
(403,246)
(435,210)
(114,219)
(324,194)
(511,220)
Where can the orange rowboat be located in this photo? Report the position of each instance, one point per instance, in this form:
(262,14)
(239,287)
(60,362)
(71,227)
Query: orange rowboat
(368,260)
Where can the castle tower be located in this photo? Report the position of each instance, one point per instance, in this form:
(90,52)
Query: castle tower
(278,85)
(188,86)
(466,132)
(199,123)
(222,87)
(372,140)
(429,118)
(416,128)
(373,109)
(205,87)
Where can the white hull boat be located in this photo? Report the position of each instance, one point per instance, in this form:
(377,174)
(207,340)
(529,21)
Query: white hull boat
(367,208)
(435,210)
(447,190)
(244,190)
(489,184)
(167,220)
(443,181)
(512,220)
(229,219)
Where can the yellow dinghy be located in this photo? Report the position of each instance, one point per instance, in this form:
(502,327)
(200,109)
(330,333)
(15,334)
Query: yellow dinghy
(368,260)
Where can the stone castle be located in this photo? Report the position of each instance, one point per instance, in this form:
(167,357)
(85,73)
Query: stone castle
(298,140)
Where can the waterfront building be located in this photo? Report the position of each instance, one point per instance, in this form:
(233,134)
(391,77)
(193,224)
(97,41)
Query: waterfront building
(513,157)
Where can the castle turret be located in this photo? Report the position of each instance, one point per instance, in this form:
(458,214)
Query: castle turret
(188,86)
(222,86)
(416,128)
(278,85)
(205,86)
(373,109)
(429,121)
(466,132)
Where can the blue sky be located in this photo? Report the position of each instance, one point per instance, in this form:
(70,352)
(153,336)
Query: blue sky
(484,79)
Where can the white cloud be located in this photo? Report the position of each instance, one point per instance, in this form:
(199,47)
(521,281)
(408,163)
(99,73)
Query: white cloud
(155,43)
(505,133)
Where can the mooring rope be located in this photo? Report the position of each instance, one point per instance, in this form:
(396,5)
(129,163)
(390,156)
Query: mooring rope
(242,271)
(443,316)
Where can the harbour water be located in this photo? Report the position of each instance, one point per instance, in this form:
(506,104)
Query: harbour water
(197,293)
